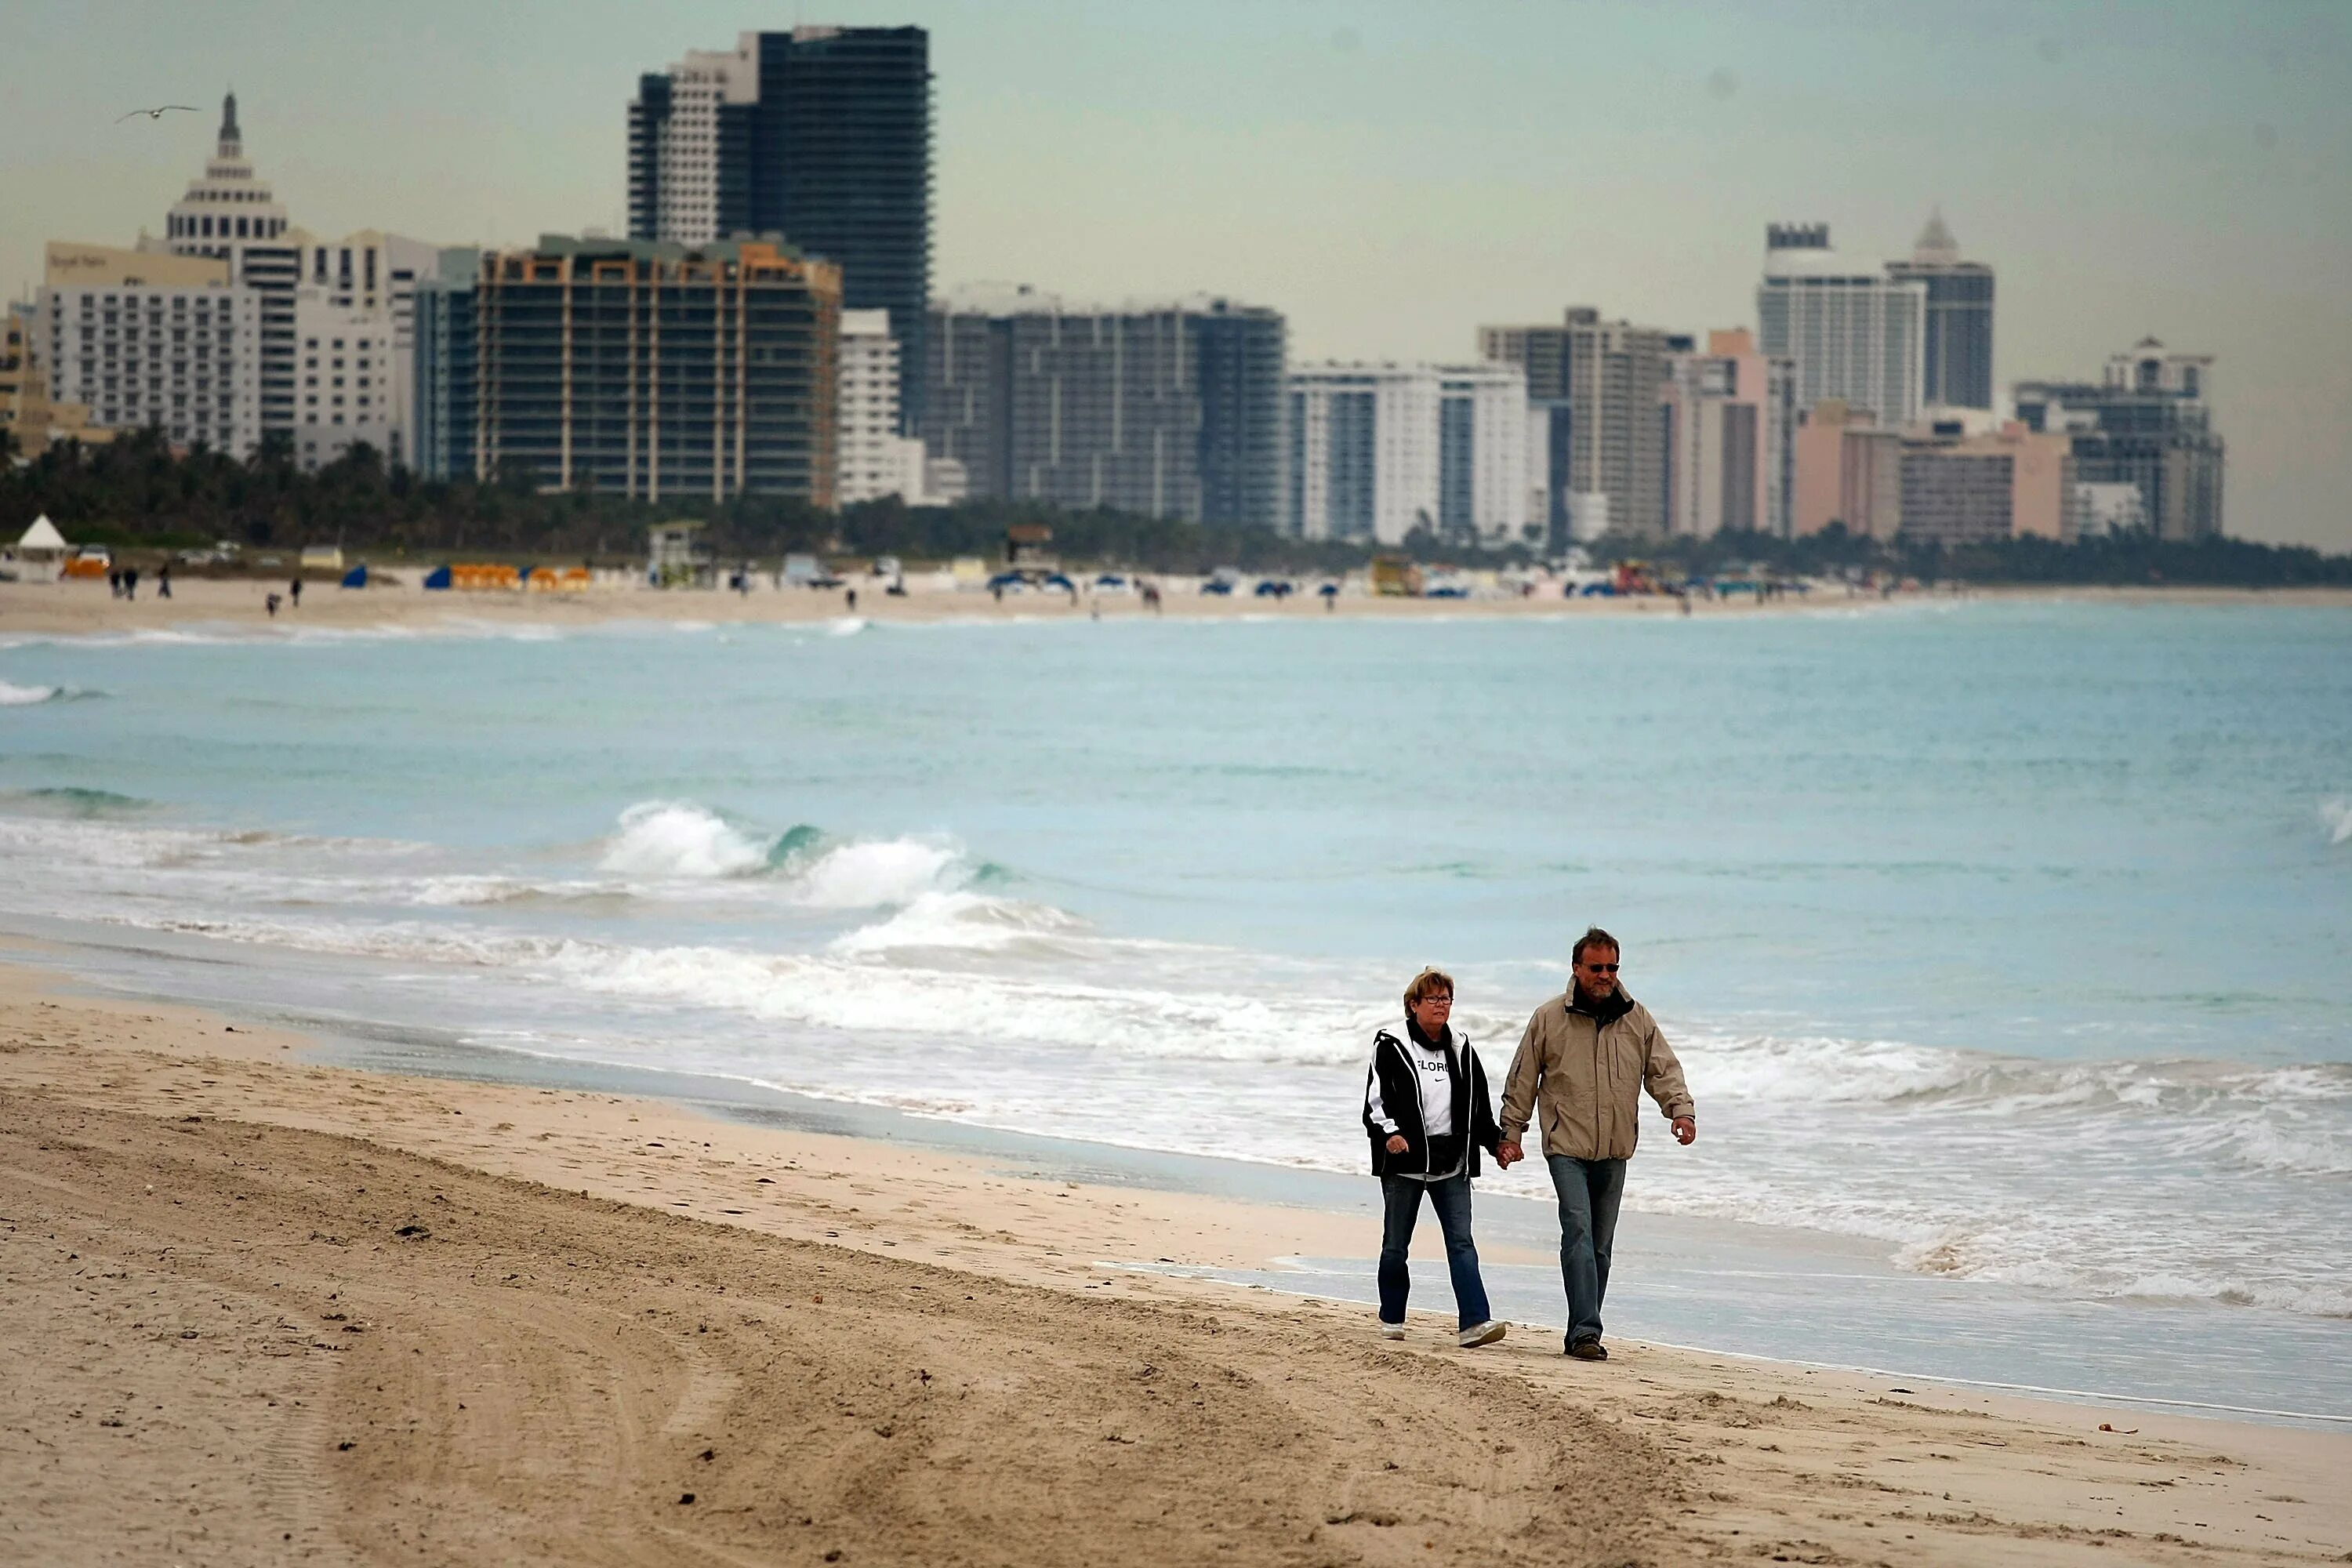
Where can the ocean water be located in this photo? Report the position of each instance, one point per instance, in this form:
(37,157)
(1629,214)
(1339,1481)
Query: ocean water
(2013,942)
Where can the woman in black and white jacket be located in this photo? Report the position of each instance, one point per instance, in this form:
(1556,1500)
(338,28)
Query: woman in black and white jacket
(1429,1115)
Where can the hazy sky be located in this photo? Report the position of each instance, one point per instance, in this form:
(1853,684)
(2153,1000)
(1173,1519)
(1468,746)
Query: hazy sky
(1388,175)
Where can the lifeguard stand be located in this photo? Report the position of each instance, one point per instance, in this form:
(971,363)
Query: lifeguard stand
(675,556)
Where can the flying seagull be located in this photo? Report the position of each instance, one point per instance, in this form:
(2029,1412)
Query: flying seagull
(156,114)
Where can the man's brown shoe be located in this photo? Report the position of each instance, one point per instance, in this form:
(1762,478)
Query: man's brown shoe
(1589,1349)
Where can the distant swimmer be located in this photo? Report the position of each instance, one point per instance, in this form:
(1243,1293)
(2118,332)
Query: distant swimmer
(1428,1114)
(1585,1056)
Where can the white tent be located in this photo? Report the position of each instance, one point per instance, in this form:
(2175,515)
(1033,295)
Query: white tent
(40,553)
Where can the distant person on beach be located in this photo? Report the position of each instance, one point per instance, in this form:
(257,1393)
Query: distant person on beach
(294,592)
(1428,1114)
(1580,1065)
(853,601)
(270,603)
(114,585)
(164,580)
(130,582)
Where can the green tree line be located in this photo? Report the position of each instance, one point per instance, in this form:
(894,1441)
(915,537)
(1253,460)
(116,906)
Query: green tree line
(136,491)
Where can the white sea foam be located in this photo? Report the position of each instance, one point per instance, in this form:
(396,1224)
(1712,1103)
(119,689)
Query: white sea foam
(14,696)
(847,627)
(1815,1069)
(679,839)
(877,873)
(2336,815)
(934,921)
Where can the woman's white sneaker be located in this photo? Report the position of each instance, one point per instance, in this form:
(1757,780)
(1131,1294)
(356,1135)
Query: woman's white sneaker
(1392,1330)
(1484,1333)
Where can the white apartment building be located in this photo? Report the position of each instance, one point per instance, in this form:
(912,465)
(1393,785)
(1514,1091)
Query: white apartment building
(1364,450)
(872,459)
(152,340)
(230,214)
(1854,332)
(686,148)
(354,323)
(312,294)
(1482,453)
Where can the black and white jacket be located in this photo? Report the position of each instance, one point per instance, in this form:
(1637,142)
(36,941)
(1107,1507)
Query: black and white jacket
(1392,1106)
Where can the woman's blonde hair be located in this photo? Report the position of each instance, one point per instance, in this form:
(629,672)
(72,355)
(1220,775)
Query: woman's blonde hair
(1428,984)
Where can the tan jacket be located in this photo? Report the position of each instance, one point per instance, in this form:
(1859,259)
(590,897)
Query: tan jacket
(1582,1077)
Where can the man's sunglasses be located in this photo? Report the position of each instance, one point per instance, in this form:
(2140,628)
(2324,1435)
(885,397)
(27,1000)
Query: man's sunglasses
(1601,968)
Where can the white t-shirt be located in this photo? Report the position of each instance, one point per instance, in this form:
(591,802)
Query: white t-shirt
(1435,1081)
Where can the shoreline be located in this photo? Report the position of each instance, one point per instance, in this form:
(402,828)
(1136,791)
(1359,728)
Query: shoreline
(82,608)
(1853,1470)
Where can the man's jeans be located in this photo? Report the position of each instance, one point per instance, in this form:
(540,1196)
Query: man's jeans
(1588,1191)
(1451,1199)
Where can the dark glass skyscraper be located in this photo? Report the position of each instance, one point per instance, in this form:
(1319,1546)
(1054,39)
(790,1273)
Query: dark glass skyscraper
(1956,361)
(821,135)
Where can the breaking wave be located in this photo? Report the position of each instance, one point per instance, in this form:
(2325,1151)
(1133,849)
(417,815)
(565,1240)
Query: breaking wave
(680,840)
(14,696)
(2336,815)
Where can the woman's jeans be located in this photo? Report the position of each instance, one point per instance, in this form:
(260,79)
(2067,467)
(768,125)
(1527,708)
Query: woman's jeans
(1451,1199)
(1588,1191)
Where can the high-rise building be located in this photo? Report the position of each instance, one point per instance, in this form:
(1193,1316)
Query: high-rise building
(689,146)
(229,212)
(1855,334)
(314,294)
(1364,458)
(2145,424)
(639,368)
(873,460)
(1167,409)
(148,340)
(2012,483)
(1849,471)
(823,135)
(31,419)
(1956,361)
(1732,457)
(1481,454)
(445,379)
(1598,388)
(354,327)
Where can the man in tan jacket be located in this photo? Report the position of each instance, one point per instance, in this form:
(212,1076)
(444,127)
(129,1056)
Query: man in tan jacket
(1579,1069)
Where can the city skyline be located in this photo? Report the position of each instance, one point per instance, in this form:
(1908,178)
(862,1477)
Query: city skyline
(1386,179)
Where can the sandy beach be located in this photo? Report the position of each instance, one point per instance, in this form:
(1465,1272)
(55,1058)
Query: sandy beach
(266,1311)
(84,608)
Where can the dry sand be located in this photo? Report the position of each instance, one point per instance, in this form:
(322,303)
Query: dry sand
(259,1311)
(84,608)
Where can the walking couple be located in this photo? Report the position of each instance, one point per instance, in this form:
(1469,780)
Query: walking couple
(1580,1066)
